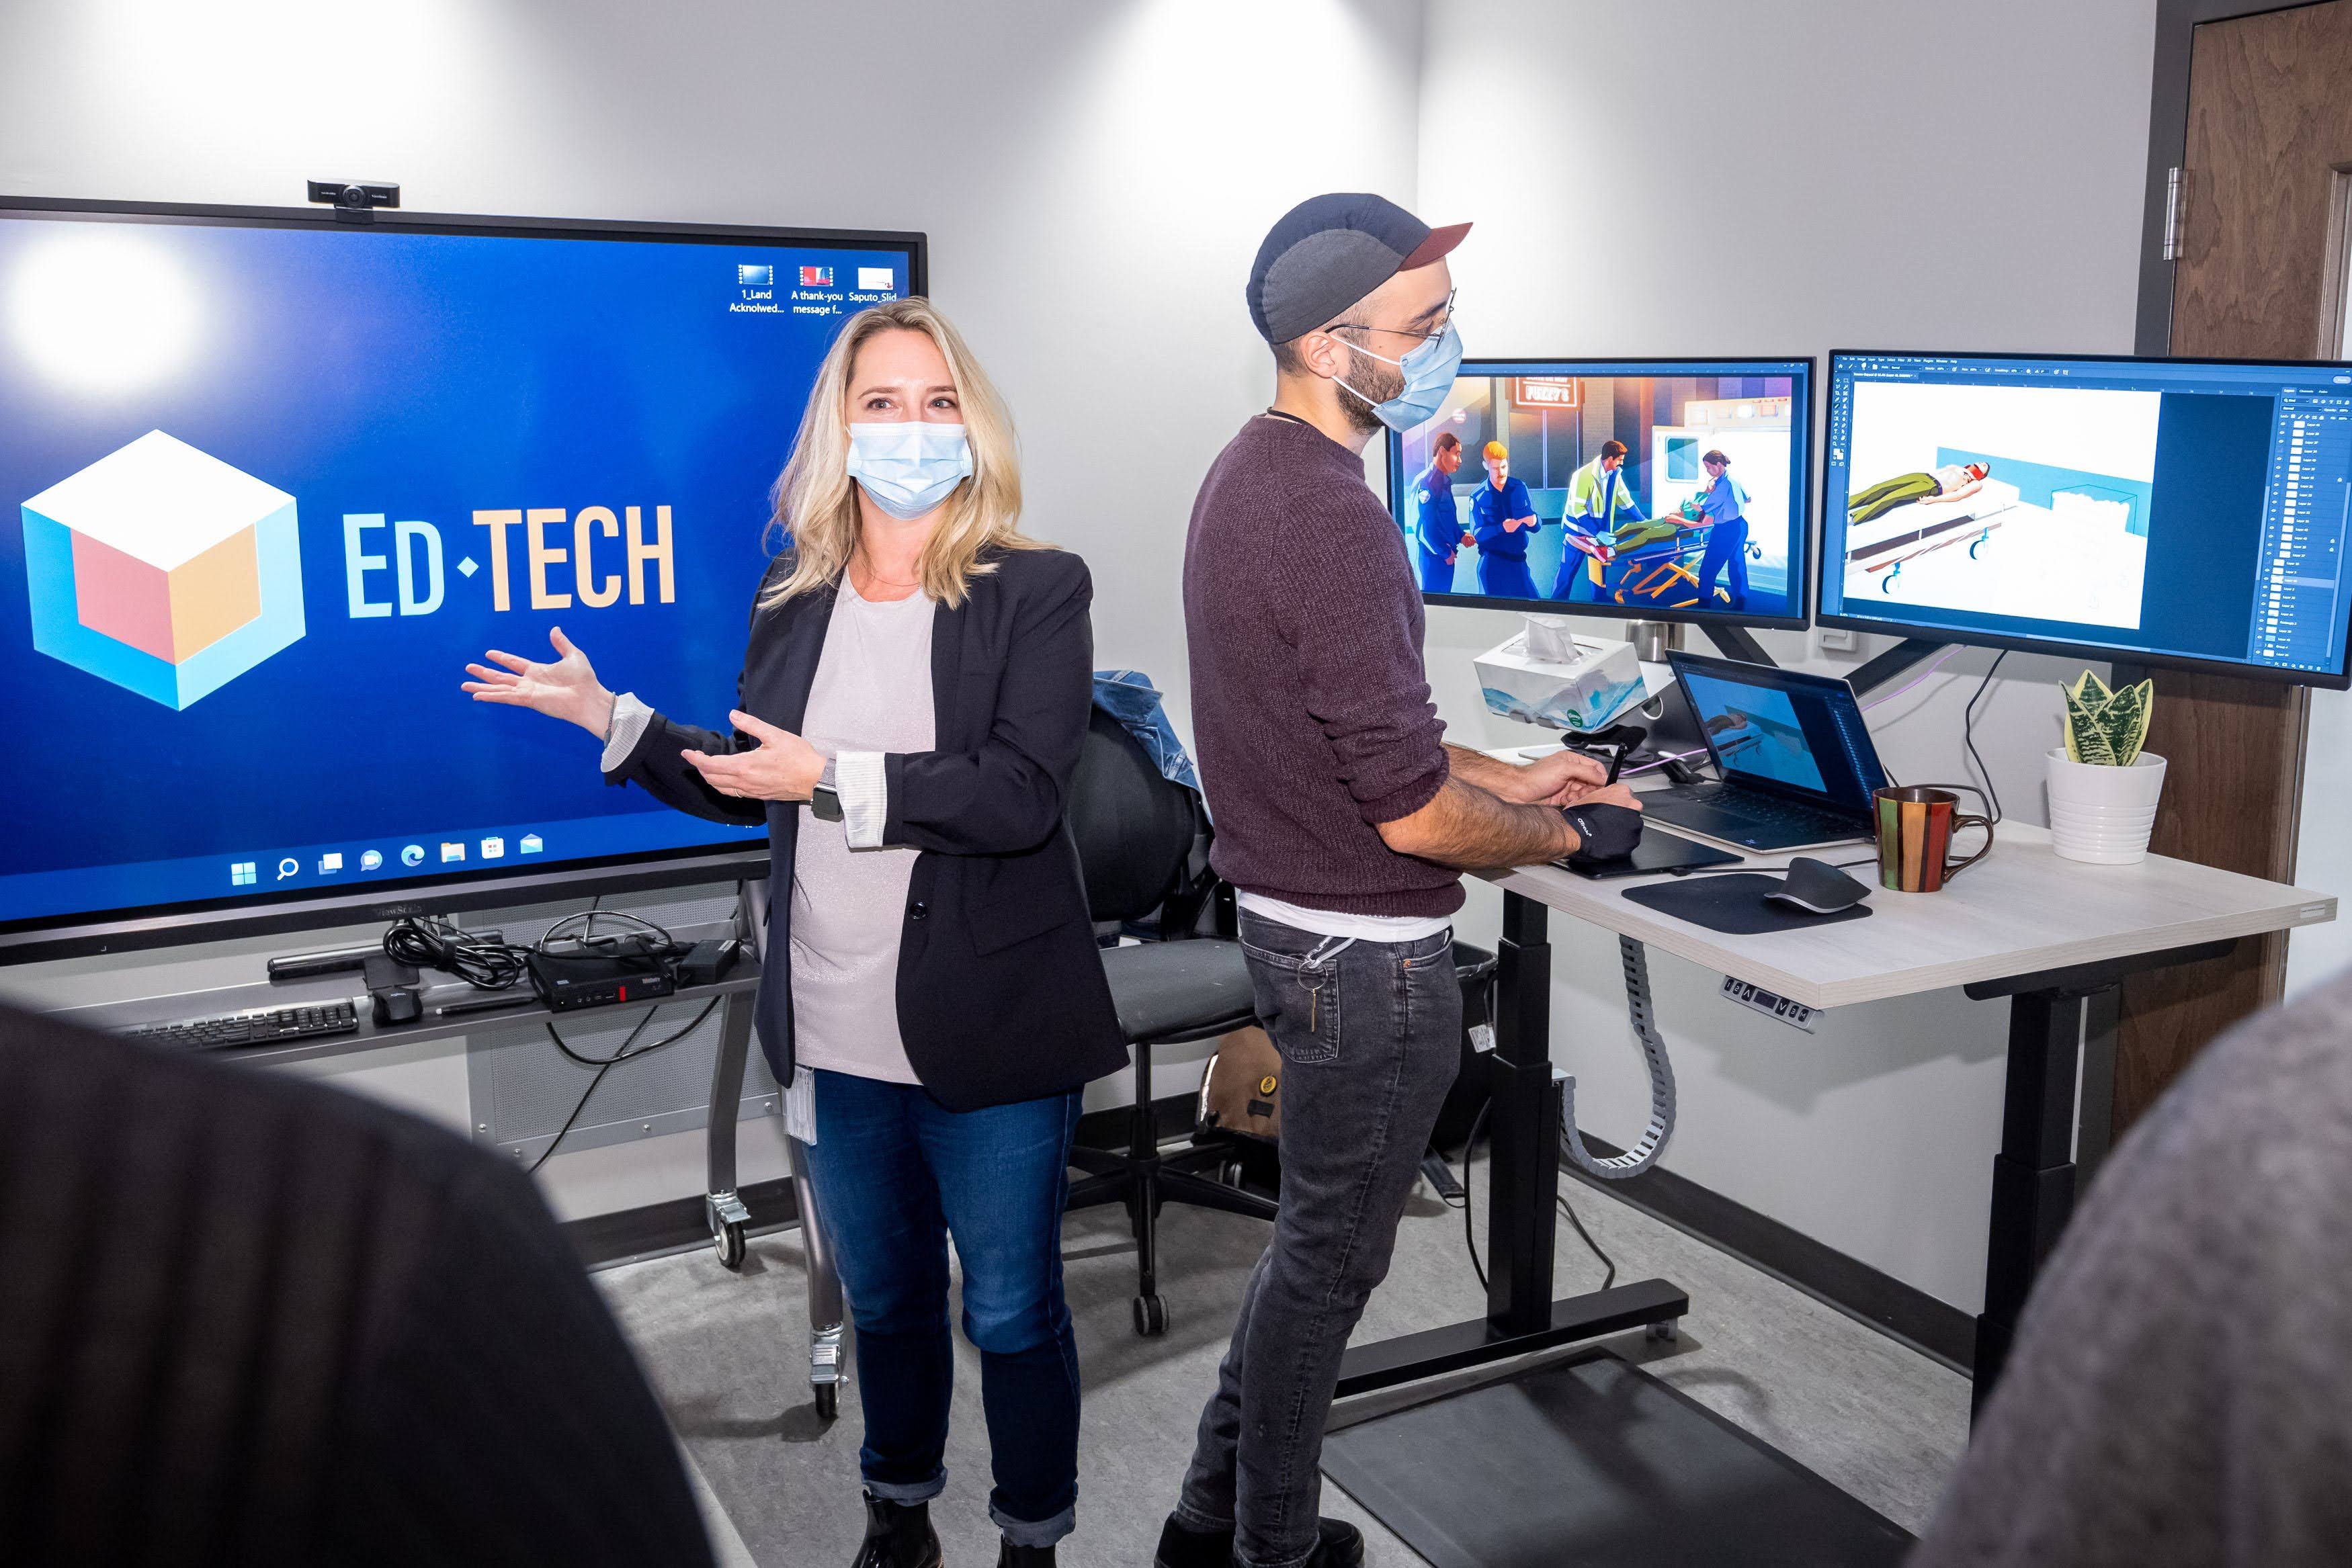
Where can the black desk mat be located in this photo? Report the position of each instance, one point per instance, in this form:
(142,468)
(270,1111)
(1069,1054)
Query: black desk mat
(1733,903)
(1592,1463)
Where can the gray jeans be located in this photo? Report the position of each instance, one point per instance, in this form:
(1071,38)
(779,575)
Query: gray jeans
(1369,1034)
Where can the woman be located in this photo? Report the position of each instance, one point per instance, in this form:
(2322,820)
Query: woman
(923,671)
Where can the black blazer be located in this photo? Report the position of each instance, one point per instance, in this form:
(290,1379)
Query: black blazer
(1000,989)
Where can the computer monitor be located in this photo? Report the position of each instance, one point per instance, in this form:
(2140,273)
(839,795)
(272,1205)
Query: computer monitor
(2176,512)
(1636,489)
(271,479)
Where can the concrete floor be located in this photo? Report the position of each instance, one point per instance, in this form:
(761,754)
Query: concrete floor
(727,1352)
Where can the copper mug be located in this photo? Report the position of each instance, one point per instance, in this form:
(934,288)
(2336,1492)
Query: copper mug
(1915,824)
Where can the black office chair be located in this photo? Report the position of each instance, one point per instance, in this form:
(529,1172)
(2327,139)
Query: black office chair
(1136,833)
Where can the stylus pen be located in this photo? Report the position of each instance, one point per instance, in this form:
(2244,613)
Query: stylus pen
(486,1005)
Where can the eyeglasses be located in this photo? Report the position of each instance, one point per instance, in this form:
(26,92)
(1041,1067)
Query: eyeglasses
(1445,319)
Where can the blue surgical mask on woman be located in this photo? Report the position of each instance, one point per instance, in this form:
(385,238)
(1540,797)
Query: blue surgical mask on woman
(908,467)
(1428,377)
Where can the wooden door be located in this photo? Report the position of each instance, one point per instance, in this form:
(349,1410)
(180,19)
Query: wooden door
(2270,142)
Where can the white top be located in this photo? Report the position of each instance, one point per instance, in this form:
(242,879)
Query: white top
(1338,923)
(159,500)
(872,694)
(2021,911)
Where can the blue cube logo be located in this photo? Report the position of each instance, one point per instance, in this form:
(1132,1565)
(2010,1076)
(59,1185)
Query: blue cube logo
(751,277)
(163,569)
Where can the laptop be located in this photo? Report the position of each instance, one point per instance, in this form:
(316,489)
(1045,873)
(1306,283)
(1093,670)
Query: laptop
(1796,762)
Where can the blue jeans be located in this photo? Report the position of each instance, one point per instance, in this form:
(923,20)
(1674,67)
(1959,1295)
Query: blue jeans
(896,1174)
(1370,1036)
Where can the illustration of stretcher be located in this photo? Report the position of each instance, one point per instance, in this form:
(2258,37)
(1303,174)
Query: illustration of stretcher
(1658,574)
(1882,546)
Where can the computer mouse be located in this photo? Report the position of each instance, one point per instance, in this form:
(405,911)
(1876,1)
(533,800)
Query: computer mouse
(1817,887)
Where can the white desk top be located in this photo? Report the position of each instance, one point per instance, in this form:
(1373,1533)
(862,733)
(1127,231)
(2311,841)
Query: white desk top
(2019,911)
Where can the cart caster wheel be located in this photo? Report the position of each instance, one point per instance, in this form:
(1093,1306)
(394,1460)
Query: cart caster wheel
(828,1400)
(728,1242)
(1150,1316)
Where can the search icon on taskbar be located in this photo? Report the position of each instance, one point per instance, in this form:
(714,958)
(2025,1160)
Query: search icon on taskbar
(288,867)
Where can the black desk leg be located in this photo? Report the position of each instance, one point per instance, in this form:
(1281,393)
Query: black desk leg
(1523,1168)
(1523,1162)
(2034,1176)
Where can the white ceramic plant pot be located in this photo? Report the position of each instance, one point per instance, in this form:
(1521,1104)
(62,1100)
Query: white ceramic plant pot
(2102,815)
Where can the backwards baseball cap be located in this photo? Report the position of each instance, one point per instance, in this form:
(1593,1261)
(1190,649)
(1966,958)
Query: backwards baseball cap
(1328,252)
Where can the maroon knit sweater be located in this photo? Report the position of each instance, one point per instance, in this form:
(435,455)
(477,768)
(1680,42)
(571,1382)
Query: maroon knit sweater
(1310,707)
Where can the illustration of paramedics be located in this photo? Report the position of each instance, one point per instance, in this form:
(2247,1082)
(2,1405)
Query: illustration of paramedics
(1438,533)
(1725,505)
(1599,497)
(1501,522)
(1952,481)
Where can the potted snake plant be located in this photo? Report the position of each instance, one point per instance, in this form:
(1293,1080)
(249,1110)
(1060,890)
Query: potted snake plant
(2103,783)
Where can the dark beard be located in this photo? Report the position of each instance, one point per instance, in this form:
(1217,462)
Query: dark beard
(1380,382)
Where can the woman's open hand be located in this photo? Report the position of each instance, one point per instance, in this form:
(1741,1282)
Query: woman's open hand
(783,767)
(566,689)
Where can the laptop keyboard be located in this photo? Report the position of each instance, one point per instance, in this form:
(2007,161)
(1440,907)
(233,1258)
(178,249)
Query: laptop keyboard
(1760,809)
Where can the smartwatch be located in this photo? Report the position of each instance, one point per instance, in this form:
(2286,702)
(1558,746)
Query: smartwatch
(824,799)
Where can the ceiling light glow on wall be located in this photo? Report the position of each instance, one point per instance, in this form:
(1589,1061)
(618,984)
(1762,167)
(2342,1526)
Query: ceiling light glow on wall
(102,312)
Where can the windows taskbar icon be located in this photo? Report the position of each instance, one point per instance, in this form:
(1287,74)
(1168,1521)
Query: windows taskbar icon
(248,873)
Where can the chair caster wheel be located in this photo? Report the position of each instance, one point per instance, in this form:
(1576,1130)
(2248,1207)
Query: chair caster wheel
(728,1242)
(1150,1316)
(828,1400)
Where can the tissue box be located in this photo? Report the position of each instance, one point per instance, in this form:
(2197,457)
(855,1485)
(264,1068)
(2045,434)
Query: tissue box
(1599,680)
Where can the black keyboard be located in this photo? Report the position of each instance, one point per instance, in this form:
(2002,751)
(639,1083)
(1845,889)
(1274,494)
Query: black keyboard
(254,1025)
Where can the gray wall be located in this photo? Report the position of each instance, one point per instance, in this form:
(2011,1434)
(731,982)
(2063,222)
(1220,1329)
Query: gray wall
(1791,179)
(1094,177)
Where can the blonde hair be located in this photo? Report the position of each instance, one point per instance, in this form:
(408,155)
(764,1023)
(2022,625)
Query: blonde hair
(816,501)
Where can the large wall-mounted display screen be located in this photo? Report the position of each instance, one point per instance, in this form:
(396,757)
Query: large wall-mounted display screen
(271,481)
(1647,489)
(2180,511)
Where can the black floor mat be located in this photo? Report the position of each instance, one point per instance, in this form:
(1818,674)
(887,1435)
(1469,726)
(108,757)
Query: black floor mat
(1590,1463)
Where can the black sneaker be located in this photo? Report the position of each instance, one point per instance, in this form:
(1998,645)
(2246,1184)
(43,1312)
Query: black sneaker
(1337,1544)
(897,1535)
(1011,1556)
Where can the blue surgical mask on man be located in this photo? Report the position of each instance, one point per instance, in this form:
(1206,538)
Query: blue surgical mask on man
(1429,372)
(908,466)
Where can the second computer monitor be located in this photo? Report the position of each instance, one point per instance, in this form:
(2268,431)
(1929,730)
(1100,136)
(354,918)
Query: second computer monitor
(1636,489)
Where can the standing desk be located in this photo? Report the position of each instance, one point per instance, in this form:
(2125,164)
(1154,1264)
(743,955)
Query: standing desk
(2053,937)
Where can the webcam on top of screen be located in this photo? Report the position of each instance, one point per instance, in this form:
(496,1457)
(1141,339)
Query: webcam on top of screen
(355,200)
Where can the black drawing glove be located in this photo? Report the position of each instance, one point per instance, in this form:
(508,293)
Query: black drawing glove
(1609,833)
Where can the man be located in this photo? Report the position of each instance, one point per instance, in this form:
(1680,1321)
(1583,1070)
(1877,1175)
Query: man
(1599,498)
(1343,819)
(1723,504)
(1953,482)
(2180,1390)
(1502,522)
(1438,530)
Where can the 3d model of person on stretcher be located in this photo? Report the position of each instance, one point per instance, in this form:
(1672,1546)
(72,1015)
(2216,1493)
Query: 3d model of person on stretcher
(1953,482)
(1720,509)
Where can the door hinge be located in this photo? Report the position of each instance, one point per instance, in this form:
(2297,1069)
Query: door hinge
(2176,196)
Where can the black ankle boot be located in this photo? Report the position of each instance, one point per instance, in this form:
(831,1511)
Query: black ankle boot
(897,1535)
(1337,1544)
(1011,1556)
